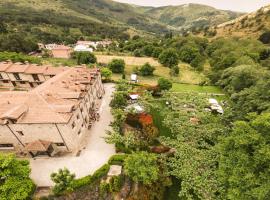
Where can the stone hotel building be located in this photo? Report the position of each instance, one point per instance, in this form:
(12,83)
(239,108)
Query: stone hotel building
(53,112)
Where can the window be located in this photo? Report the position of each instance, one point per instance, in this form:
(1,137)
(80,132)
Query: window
(35,77)
(79,132)
(60,144)
(73,125)
(51,76)
(6,146)
(78,117)
(22,82)
(20,133)
(1,77)
(5,81)
(17,76)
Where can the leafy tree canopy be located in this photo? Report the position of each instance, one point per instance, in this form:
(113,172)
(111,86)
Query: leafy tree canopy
(142,167)
(117,65)
(169,58)
(15,183)
(164,84)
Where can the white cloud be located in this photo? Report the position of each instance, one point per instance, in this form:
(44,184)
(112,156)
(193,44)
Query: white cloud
(235,5)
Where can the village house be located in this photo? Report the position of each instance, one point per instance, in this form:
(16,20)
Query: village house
(61,51)
(55,116)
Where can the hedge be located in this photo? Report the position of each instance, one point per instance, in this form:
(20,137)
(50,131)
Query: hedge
(88,180)
(117,159)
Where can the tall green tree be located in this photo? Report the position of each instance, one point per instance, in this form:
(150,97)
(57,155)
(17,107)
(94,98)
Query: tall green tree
(164,84)
(117,65)
(15,183)
(169,58)
(85,58)
(245,160)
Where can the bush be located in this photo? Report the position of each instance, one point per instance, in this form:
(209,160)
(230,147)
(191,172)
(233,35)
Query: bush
(85,58)
(117,65)
(106,73)
(63,180)
(116,183)
(117,159)
(265,37)
(174,71)
(147,70)
(88,180)
(198,62)
(164,84)
(119,100)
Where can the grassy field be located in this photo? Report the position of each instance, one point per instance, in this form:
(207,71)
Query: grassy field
(178,87)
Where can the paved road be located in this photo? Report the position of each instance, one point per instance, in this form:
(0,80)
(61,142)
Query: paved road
(96,153)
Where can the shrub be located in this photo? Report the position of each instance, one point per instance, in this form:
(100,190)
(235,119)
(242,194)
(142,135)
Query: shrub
(117,65)
(106,73)
(85,58)
(116,183)
(147,70)
(117,159)
(265,37)
(88,180)
(119,100)
(174,71)
(164,84)
(18,57)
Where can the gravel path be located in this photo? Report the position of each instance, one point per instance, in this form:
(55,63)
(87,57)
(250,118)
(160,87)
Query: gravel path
(96,153)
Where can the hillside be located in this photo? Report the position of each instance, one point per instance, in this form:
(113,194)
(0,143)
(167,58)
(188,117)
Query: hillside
(191,16)
(64,20)
(251,25)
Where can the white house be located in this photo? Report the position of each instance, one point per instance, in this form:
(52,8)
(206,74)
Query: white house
(83,48)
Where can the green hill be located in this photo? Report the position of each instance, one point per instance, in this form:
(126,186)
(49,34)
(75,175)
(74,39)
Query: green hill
(191,16)
(68,20)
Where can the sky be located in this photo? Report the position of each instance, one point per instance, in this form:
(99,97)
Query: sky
(235,5)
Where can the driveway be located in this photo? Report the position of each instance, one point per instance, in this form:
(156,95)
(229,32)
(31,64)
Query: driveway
(96,153)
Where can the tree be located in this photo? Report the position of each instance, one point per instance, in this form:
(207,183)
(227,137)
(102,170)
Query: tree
(244,162)
(188,53)
(235,79)
(117,65)
(142,167)
(106,73)
(198,62)
(15,183)
(164,84)
(3,28)
(156,52)
(147,70)
(85,58)
(63,180)
(148,50)
(169,58)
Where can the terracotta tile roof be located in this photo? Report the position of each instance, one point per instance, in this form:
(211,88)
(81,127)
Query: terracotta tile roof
(17,68)
(51,102)
(4,66)
(54,70)
(39,145)
(35,69)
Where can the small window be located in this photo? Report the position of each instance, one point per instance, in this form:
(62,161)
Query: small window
(60,144)
(22,82)
(79,132)
(6,146)
(51,76)
(1,77)
(17,76)
(20,133)
(35,77)
(73,125)
(78,116)
(5,81)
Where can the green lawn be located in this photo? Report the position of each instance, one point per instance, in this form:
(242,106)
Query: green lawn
(178,87)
